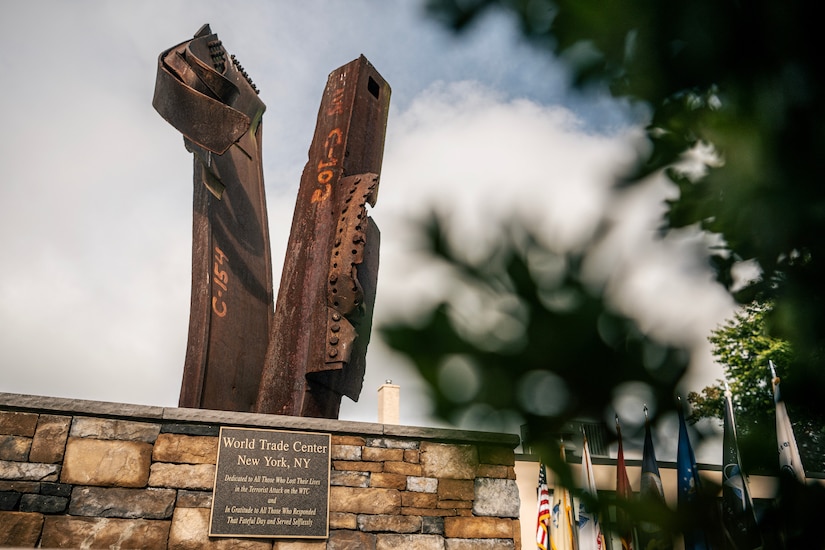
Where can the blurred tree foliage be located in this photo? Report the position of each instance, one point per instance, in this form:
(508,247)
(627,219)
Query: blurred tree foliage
(742,78)
(744,348)
(739,79)
(526,335)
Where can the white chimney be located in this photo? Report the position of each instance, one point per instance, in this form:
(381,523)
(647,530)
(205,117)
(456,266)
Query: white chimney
(389,403)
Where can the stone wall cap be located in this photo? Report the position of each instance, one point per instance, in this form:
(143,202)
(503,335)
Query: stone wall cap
(80,406)
(84,407)
(256,420)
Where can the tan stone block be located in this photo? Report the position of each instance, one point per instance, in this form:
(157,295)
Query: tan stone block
(349,479)
(300,545)
(480,544)
(455,504)
(479,528)
(80,532)
(20,486)
(343,520)
(375,454)
(350,540)
(449,461)
(428,512)
(496,454)
(28,471)
(412,455)
(345,452)
(18,423)
(494,471)
(106,428)
(190,528)
(409,542)
(347,465)
(389,481)
(15,447)
(364,501)
(455,489)
(422,484)
(517,534)
(20,529)
(348,440)
(182,476)
(49,443)
(106,463)
(185,449)
(419,500)
(405,468)
(389,523)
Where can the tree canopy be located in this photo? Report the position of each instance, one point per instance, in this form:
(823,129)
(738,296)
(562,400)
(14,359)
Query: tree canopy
(744,348)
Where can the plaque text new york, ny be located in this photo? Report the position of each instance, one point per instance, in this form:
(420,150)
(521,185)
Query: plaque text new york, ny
(271,483)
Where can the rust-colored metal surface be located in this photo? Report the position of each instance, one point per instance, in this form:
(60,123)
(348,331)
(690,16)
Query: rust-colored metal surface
(210,99)
(323,314)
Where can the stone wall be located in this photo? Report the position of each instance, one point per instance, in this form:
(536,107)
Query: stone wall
(83,474)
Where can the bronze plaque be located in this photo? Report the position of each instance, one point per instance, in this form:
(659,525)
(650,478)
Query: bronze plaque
(271,483)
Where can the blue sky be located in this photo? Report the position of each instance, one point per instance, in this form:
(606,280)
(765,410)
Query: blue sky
(96,202)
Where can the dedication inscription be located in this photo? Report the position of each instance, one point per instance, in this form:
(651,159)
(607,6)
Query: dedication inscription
(271,483)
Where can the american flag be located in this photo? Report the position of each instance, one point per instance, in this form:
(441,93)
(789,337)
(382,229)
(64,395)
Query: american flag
(542,536)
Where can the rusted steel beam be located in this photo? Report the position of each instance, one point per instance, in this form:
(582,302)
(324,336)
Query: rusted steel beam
(209,98)
(323,314)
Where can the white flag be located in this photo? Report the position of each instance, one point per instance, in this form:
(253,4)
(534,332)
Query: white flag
(590,533)
(789,461)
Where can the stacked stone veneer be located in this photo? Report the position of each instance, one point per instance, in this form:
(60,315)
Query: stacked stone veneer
(82,474)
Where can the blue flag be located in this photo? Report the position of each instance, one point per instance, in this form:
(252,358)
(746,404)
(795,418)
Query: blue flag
(651,535)
(737,509)
(688,484)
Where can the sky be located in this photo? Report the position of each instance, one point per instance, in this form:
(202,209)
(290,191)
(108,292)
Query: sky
(96,204)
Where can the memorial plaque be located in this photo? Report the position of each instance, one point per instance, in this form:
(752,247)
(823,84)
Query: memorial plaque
(271,483)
